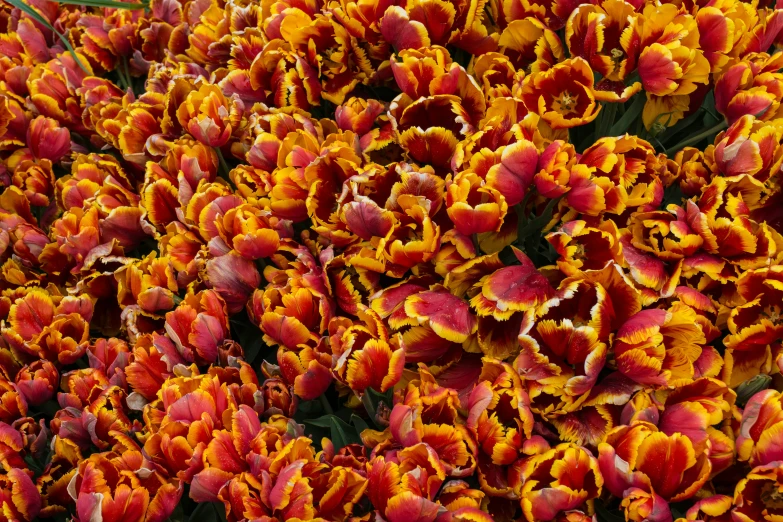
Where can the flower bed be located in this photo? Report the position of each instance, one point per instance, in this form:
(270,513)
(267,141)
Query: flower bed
(359,261)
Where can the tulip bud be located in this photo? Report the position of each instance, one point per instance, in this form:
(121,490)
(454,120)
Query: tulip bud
(275,397)
(34,435)
(751,387)
(37,382)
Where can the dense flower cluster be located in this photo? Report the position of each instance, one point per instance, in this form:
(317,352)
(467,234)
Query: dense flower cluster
(368,260)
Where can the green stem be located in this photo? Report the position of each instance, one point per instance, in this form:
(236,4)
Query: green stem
(695,139)
(110,4)
(35,15)
(525,201)
(368,406)
(474,238)
(522,215)
(521,219)
(325,403)
(605,120)
(261,264)
(126,72)
(81,140)
(120,75)
(224,170)
(633,112)
(489,14)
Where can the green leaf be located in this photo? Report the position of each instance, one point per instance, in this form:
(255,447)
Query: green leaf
(708,134)
(340,437)
(108,4)
(359,424)
(681,126)
(605,119)
(711,116)
(704,117)
(534,226)
(672,194)
(507,256)
(208,512)
(377,397)
(540,251)
(178,515)
(629,117)
(249,337)
(372,399)
(679,509)
(341,433)
(461,56)
(33,465)
(252,347)
(46,410)
(321,422)
(41,20)
(605,515)
(199,513)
